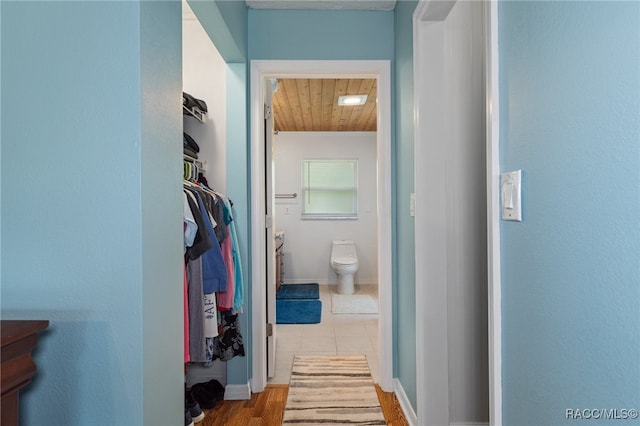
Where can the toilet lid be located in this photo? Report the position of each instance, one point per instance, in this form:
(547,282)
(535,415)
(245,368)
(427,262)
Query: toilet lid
(344,261)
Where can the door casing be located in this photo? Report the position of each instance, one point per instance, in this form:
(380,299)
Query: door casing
(261,70)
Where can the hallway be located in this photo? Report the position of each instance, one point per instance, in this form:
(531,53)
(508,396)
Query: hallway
(267,408)
(337,334)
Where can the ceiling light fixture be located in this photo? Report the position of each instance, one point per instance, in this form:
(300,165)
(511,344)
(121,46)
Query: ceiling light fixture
(352,100)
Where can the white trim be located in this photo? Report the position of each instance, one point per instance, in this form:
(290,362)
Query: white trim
(325,282)
(258,273)
(380,69)
(493,214)
(405,405)
(237,392)
(432,366)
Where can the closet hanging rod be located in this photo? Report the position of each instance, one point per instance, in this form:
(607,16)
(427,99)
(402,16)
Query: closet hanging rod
(294,195)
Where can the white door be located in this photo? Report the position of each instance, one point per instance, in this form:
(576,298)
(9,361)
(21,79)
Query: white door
(270,260)
(450,214)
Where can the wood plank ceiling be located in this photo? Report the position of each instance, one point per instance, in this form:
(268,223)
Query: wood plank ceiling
(311,105)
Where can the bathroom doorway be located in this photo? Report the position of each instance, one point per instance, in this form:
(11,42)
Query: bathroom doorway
(377,328)
(337,156)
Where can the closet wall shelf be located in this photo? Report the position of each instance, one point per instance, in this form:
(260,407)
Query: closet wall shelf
(202,165)
(194,112)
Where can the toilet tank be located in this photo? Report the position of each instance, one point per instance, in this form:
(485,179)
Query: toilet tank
(344,248)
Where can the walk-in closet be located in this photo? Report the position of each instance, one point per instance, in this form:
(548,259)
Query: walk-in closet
(214,283)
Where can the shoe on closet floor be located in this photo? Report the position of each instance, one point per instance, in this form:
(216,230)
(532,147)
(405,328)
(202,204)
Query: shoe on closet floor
(188,421)
(208,394)
(193,408)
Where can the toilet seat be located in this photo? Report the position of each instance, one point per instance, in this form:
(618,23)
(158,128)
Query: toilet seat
(344,261)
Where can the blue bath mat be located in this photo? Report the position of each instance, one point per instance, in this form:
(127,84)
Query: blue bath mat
(298,311)
(298,291)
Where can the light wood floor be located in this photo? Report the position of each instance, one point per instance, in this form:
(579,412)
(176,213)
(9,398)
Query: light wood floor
(267,408)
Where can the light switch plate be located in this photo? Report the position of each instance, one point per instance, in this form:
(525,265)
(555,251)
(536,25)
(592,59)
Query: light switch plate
(511,195)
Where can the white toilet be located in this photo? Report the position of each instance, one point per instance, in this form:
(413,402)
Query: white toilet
(344,261)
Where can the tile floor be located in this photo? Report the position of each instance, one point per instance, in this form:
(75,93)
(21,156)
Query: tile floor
(337,334)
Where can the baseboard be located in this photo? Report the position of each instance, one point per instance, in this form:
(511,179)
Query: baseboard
(407,409)
(410,414)
(305,281)
(237,392)
(323,282)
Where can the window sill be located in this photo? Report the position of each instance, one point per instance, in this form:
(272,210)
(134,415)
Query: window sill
(329,217)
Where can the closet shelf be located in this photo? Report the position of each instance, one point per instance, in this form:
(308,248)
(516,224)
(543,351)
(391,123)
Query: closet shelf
(194,112)
(202,165)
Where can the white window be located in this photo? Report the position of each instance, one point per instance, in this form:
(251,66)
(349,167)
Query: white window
(330,189)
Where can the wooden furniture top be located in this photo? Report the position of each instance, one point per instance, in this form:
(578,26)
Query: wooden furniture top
(18,338)
(12,331)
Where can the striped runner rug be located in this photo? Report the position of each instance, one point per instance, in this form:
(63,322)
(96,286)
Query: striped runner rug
(332,390)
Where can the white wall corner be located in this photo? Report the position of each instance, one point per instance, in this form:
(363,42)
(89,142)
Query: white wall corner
(237,392)
(407,409)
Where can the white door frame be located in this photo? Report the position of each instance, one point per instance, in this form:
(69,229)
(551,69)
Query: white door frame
(431,313)
(270,242)
(493,213)
(261,70)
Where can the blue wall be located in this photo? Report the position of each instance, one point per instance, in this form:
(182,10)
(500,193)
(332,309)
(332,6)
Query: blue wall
(225,21)
(320,34)
(86,158)
(405,277)
(239,368)
(161,182)
(570,119)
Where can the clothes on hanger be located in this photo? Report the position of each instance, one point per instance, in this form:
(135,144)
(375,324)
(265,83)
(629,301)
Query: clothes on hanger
(215,288)
(190,170)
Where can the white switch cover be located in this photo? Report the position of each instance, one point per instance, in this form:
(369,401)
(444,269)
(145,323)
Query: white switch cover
(511,196)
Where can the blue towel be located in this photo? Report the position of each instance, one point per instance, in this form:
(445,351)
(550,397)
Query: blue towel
(300,311)
(298,291)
